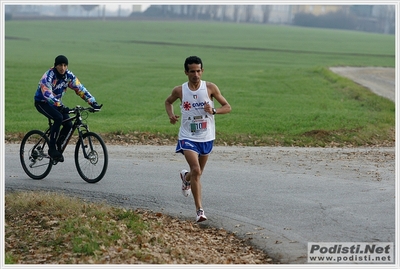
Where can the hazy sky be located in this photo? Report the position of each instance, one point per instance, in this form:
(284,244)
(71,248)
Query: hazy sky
(126,6)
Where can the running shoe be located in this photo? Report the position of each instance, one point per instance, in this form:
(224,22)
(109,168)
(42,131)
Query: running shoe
(185,184)
(200,215)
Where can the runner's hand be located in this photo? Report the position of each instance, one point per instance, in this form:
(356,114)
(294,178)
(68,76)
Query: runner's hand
(173,119)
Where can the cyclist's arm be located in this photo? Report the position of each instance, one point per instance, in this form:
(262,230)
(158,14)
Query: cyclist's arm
(46,89)
(79,89)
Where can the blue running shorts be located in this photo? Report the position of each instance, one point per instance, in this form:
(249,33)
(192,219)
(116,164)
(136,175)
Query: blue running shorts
(202,148)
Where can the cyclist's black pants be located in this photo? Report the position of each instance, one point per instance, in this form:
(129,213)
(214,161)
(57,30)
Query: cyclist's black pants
(52,113)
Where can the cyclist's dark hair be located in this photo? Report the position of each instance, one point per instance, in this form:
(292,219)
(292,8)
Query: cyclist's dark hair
(192,60)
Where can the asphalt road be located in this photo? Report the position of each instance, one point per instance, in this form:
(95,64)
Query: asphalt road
(278,198)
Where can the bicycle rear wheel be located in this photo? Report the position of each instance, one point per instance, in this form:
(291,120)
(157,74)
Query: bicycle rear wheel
(93,167)
(33,154)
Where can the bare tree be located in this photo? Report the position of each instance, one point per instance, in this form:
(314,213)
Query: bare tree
(223,12)
(165,10)
(89,8)
(236,13)
(248,13)
(103,12)
(194,11)
(64,8)
(213,11)
(183,9)
(386,18)
(266,11)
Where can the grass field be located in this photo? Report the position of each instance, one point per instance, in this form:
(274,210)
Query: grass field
(276,78)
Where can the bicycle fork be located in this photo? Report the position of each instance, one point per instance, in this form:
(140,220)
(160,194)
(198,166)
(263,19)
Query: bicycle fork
(88,144)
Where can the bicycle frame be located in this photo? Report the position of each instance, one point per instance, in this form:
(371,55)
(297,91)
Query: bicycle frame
(90,155)
(77,125)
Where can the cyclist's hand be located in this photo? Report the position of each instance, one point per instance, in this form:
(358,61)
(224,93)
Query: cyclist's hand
(64,109)
(96,106)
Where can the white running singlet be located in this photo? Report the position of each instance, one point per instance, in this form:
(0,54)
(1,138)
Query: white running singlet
(196,124)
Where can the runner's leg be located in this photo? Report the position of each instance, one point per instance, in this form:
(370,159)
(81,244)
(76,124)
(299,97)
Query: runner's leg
(196,165)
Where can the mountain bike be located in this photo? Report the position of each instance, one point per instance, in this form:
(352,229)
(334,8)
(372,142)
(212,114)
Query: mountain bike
(91,156)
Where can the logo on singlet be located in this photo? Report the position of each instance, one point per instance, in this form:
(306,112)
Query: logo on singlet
(187,106)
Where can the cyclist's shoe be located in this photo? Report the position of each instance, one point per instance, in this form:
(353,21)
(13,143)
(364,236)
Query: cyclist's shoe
(200,215)
(185,184)
(61,159)
(55,154)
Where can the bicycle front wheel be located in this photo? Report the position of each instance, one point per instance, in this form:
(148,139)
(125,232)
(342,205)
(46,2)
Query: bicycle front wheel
(33,154)
(91,157)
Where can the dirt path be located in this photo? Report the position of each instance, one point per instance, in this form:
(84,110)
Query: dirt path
(380,80)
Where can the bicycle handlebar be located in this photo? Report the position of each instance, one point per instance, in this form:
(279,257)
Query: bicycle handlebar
(79,108)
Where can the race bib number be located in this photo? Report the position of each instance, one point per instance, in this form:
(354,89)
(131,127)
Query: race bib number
(198,126)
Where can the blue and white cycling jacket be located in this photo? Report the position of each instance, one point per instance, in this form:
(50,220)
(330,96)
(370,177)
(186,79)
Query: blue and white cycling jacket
(51,89)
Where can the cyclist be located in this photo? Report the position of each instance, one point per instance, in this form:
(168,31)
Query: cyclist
(52,86)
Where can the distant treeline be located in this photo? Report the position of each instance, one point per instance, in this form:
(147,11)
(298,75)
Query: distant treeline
(368,18)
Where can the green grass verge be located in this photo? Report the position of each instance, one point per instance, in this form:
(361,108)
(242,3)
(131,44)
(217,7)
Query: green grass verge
(68,228)
(276,78)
